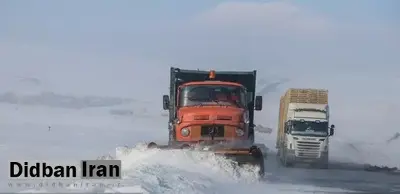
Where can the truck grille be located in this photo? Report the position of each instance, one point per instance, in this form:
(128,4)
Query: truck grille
(307,149)
(210,130)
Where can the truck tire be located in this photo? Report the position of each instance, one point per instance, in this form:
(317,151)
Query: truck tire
(284,160)
(324,164)
(287,163)
(320,165)
(278,157)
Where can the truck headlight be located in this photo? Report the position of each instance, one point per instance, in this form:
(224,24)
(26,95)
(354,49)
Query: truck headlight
(239,132)
(185,132)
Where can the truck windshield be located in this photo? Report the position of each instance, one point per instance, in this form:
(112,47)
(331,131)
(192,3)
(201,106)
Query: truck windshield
(207,95)
(310,128)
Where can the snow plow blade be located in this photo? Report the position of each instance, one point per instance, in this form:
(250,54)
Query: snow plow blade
(243,156)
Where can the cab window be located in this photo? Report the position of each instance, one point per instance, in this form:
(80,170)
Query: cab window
(211,95)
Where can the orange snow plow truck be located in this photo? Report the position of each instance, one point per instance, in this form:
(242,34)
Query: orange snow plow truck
(213,111)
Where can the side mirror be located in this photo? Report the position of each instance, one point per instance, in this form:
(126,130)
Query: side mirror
(286,127)
(165,102)
(258,103)
(332,130)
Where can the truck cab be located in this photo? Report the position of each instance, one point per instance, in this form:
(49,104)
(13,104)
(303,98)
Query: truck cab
(208,108)
(309,137)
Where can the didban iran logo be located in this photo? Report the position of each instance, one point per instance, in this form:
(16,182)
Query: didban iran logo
(89,169)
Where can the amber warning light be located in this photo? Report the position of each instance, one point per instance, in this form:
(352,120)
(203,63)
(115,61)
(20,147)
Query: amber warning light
(212,74)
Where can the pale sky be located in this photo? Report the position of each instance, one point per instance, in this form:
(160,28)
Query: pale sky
(125,48)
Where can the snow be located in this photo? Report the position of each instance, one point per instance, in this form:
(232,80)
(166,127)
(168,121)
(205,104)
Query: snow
(62,134)
(377,152)
(77,134)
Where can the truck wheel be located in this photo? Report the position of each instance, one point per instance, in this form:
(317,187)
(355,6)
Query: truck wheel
(285,161)
(324,164)
(281,157)
(277,157)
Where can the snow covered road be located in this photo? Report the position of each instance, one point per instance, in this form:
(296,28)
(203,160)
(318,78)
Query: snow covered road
(87,134)
(344,176)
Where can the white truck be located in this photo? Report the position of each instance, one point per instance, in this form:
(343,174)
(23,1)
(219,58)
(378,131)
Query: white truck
(303,129)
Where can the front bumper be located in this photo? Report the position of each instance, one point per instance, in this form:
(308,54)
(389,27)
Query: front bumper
(291,156)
